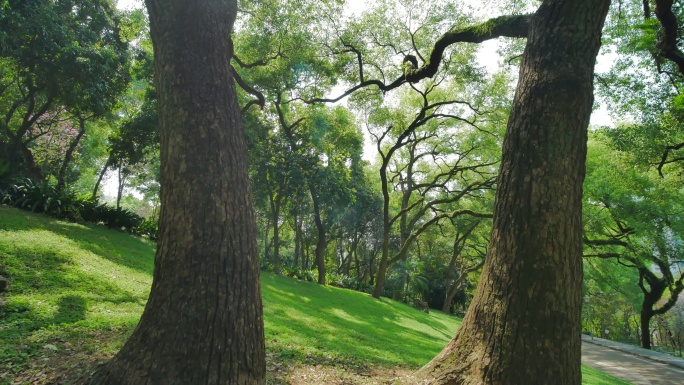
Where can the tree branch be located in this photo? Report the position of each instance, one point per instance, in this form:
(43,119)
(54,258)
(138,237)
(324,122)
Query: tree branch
(503,26)
(667,41)
(250,90)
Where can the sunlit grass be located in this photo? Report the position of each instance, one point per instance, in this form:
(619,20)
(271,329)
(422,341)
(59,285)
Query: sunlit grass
(77,291)
(304,319)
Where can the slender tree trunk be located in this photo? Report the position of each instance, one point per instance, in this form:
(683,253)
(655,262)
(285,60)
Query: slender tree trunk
(61,177)
(267,242)
(523,326)
(120,185)
(275,212)
(203,321)
(297,239)
(305,257)
(99,178)
(321,243)
(380,275)
(452,290)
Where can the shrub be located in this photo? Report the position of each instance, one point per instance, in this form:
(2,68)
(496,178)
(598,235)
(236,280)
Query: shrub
(147,228)
(43,198)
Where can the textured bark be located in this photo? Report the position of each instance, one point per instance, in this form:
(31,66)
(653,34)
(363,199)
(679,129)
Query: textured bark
(203,321)
(523,326)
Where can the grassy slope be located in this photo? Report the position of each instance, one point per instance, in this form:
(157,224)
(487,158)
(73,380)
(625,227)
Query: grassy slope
(77,291)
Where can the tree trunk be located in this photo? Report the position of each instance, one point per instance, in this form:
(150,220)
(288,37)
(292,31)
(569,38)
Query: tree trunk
(321,243)
(380,275)
(646,315)
(451,292)
(297,240)
(203,321)
(523,326)
(275,212)
(61,177)
(121,184)
(32,167)
(99,178)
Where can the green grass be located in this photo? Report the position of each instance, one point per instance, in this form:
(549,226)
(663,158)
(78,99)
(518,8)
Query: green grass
(304,319)
(596,377)
(77,291)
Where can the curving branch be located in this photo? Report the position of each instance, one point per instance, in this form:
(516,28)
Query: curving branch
(451,215)
(666,153)
(504,26)
(261,100)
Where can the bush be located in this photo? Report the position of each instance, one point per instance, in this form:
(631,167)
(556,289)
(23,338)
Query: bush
(43,198)
(297,273)
(147,228)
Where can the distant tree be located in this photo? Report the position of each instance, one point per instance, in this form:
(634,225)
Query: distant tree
(59,56)
(432,161)
(634,218)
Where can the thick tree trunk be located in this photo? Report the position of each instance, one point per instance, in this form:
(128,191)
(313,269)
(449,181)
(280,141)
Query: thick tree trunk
(32,167)
(523,326)
(203,321)
(652,295)
(646,315)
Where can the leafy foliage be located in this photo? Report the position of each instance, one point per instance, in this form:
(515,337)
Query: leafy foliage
(42,197)
(55,56)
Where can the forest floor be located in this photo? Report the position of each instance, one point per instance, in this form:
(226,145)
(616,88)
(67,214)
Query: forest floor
(77,291)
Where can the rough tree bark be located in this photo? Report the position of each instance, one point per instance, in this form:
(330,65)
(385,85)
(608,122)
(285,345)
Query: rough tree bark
(523,326)
(203,321)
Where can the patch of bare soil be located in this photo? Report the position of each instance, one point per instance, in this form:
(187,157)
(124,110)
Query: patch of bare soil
(332,373)
(66,363)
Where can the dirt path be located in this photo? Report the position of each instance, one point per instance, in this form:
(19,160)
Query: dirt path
(637,370)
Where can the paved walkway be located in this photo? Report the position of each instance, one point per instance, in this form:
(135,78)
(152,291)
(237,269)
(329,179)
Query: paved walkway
(630,363)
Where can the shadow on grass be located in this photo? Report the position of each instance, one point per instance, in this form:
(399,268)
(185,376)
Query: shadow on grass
(49,282)
(345,327)
(70,309)
(115,246)
(51,272)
